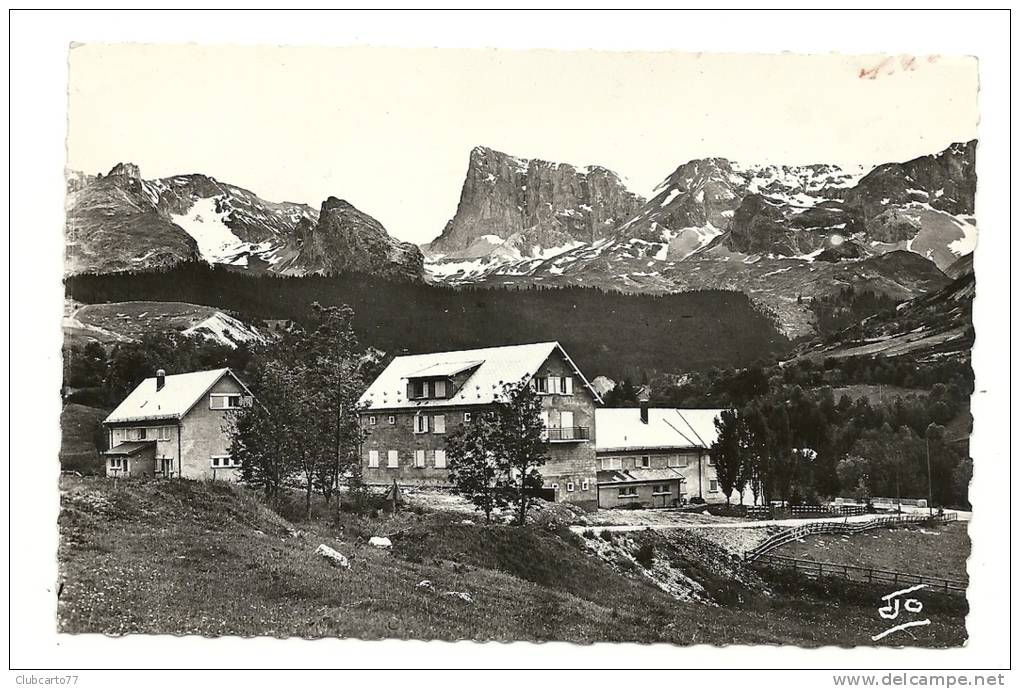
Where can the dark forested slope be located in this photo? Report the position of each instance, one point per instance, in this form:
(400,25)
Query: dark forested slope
(608,333)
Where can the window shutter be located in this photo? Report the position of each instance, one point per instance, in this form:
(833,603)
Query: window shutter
(373,458)
(440,459)
(440,390)
(568,385)
(554,384)
(439,423)
(419,458)
(391,459)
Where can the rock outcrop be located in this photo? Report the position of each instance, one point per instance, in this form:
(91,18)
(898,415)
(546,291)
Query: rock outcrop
(537,204)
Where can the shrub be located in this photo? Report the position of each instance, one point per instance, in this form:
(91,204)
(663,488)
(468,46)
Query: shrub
(696,500)
(646,555)
(588,533)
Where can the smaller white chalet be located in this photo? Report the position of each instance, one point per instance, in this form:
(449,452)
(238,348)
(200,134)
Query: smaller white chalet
(174,426)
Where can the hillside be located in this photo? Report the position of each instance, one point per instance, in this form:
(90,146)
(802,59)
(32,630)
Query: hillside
(607,333)
(226,565)
(129,320)
(931,326)
(81,431)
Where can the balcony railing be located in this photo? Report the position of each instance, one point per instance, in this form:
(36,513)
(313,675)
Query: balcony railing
(567,434)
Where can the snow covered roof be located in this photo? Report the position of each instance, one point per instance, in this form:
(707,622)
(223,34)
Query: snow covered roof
(622,429)
(179,394)
(493,366)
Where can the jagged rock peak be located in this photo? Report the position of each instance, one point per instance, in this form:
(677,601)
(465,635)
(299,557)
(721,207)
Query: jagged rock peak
(126,170)
(333,203)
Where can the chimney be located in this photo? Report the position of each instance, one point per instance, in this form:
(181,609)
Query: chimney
(160,379)
(644,411)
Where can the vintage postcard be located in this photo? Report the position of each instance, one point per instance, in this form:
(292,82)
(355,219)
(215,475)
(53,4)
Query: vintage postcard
(502,345)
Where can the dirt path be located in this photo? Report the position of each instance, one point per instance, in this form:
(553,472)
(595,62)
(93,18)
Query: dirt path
(736,524)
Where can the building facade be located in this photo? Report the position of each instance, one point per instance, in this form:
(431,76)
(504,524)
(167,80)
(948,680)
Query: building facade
(175,426)
(655,457)
(417,400)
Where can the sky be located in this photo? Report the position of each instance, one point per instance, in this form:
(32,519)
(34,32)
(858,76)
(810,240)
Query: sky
(390,130)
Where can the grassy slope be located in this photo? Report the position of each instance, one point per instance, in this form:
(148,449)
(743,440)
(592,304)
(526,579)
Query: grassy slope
(205,558)
(77,444)
(941,551)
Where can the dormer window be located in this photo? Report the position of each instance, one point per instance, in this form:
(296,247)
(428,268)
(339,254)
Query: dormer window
(423,389)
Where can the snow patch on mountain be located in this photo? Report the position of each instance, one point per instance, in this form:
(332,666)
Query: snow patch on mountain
(216,242)
(225,330)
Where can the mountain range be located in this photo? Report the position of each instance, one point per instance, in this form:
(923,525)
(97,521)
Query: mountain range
(120,221)
(781,234)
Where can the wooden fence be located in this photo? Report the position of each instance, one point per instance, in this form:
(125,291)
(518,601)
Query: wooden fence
(770,512)
(818,570)
(844,527)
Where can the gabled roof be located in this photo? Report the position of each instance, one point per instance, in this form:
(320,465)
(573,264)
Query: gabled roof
(619,430)
(493,366)
(179,394)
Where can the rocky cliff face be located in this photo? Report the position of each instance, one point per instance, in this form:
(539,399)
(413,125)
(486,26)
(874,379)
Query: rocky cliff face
(345,239)
(123,222)
(535,204)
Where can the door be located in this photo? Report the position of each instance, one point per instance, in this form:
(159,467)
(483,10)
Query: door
(567,425)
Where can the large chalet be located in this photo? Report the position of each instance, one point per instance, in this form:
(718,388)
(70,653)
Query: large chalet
(408,410)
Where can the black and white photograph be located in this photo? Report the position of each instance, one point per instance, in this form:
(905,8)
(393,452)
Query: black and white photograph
(371,341)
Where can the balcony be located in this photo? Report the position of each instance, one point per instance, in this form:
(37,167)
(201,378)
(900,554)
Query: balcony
(567,434)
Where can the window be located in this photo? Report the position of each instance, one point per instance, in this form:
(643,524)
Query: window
(371,421)
(628,492)
(661,489)
(419,389)
(391,419)
(643,462)
(419,458)
(467,417)
(421,423)
(226,400)
(224,462)
(428,389)
(439,423)
(141,433)
(566,385)
(540,383)
(440,459)
(373,459)
(117,463)
(612,463)
(163,433)
(392,462)
(675,461)
(570,486)
(553,384)
(584,484)
(713,486)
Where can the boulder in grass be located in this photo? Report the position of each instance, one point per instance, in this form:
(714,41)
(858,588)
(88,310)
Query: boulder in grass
(463,595)
(380,542)
(335,558)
